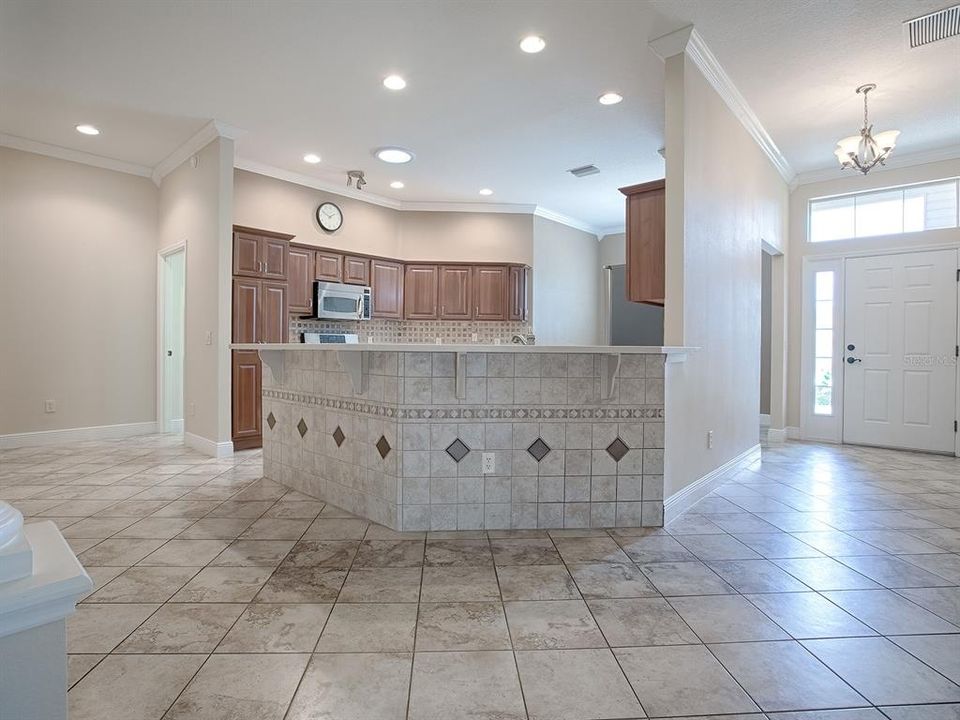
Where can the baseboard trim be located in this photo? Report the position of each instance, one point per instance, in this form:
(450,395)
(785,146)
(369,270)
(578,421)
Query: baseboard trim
(793,432)
(80,434)
(776,435)
(764,420)
(208,447)
(176,426)
(678,503)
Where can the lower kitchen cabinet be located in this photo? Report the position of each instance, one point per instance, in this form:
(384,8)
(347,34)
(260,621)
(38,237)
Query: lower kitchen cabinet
(245,415)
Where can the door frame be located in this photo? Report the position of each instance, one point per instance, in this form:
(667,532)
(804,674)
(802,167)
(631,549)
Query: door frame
(815,427)
(161,317)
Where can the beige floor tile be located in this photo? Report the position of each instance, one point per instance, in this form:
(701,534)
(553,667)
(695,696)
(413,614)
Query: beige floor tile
(100,627)
(215,529)
(241,553)
(143,585)
(655,549)
(336,529)
(685,578)
(590,550)
(323,553)
(888,613)
(182,628)
(98,528)
(302,585)
(536,582)
(353,687)
(575,684)
(80,665)
(266,627)
(682,680)
(241,687)
(390,553)
(552,624)
(607,580)
(923,712)
(119,552)
(726,618)
(458,553)
(941,652)
(893,572)
(223,585)
(444,686)
(156,527)
(809,615)
(462,626)
(717,547)
(267,528)
(822,574)
(756,576)
(525,551)
(641,621)
(381,585)
(185,553)
(370,627)
(944,602)
(459,584)
(123,687)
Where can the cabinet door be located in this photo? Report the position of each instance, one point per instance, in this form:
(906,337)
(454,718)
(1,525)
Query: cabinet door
(300,266)
(387,287)
(273,253)
(491,292)
(646,241)
(273,312)
(420,292)
(517,293)
(356,270)
(329,266)
(246,399)
(246,254)
(456,296)
(246,310)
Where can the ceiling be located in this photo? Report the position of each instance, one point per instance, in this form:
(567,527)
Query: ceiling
(476,111)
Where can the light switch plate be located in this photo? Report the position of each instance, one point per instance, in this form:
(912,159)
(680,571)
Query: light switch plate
(488,464)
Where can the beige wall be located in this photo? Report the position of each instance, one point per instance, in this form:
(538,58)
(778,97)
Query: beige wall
(800,249)
(196,207)
(722,199)
(613,249)
(566,284)
(466,237)
(78,291)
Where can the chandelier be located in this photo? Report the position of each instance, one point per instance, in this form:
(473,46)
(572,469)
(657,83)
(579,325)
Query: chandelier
(865,151)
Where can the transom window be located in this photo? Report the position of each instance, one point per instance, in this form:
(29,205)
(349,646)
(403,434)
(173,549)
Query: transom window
(890,211)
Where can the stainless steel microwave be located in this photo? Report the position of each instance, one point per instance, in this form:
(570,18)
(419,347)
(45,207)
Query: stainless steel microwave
(336,301)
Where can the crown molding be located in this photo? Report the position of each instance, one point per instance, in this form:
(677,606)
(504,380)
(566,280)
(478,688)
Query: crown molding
(78,156)
(895,162)
(477,207)
(688,40)
(612,230)
(556,217)
(203,137)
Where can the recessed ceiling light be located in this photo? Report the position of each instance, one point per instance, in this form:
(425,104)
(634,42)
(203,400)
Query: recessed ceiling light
(394,82)
(394,155)
(486,191)
(532,44)
(610,98)
(87,130)
(311,158)
(396,185)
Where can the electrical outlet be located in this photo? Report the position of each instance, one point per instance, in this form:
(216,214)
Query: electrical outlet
(709,439)
(192,409)
(488,464)
(209,337)
(49,406)
(474,337)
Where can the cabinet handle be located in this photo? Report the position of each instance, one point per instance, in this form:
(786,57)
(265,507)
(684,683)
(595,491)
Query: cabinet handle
(443,309)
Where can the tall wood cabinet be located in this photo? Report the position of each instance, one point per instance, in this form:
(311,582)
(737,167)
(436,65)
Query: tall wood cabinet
(261,262)
(646,242)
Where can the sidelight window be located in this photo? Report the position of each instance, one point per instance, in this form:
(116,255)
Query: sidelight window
(823,343)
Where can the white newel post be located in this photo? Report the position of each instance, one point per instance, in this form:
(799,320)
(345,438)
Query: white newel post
(40,583)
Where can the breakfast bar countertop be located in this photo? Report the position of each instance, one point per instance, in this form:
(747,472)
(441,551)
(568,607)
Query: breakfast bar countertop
(471,348)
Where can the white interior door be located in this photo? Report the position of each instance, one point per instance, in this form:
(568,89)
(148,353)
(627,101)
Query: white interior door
(172,350)
(900,337)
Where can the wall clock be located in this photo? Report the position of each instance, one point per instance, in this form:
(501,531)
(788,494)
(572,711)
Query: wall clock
(329,217)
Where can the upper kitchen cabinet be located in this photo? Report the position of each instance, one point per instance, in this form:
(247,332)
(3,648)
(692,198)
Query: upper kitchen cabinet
(260,253)
(420,292)
(456,292)
(329,266)
(490,292)
(301,268)
(356,270)
(517,293)
(646,241)
(386,283)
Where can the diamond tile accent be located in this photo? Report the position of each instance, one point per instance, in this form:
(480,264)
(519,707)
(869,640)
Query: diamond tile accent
(302,427)
(271,420)
(338,436)
(457,450)
(539,449)
(617,449)
(383,447)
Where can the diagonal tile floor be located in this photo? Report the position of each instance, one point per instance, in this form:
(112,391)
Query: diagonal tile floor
(821,584)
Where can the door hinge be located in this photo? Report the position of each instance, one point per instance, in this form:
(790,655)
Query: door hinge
(954,425)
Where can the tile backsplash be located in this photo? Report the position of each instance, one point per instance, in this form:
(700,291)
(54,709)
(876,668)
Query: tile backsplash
(417,331)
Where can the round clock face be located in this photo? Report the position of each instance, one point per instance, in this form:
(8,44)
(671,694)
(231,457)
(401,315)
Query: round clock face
(329,217)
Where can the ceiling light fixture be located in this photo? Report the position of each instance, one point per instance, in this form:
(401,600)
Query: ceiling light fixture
(610,98)
(486,191)
(397,185)
(393,155)
(532,44)
(866,150)
(87,130)
(311,158)
(394,82)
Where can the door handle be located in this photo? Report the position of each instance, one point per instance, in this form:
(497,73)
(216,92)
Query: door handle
(852,360)
(169,353)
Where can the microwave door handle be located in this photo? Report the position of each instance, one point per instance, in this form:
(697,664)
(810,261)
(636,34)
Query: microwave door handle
(360,308)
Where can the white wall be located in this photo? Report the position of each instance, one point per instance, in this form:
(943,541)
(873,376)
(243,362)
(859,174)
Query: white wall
(800,248)
(613,249)
(78,294)
(566,284)
(196,207)
(722,199)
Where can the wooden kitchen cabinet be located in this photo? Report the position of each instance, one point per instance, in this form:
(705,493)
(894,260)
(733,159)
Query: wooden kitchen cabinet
(646,242)
(329,266)
(456,292)
(356,270)
(273,312)
(301,268)
(490,292)
(245,412)
(386,283)
(260,253)
(246,310)
(517,293)
(420,292)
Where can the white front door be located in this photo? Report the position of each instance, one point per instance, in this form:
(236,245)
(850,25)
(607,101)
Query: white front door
(899,361)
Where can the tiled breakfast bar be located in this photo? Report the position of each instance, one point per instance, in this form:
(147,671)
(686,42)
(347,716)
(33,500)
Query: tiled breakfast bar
(467,437)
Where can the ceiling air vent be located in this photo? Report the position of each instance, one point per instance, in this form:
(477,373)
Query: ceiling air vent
(938,25)
(584,170)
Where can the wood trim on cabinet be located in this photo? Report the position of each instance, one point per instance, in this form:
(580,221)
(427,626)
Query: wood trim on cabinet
(356,270)
(263,233)
(646,242)
(329,266)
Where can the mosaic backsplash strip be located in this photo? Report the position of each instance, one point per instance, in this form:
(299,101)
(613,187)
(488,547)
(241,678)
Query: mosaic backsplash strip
(460,332)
